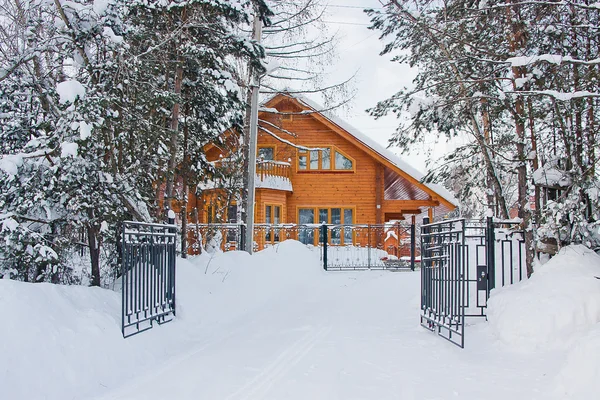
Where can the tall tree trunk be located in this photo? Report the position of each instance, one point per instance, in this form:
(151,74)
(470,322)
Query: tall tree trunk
(535,162)
(174,142)
(94,245)
(184,201)
(491,192)
(516,41)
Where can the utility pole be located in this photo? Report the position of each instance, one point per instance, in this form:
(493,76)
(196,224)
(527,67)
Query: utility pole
(252,145)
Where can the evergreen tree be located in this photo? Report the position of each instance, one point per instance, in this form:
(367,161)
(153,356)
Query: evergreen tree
(95,93)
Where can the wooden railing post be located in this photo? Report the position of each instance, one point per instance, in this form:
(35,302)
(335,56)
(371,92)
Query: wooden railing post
(272,168)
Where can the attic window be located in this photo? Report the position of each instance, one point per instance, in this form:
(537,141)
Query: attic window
(322,160)
(287,117)
(342,162)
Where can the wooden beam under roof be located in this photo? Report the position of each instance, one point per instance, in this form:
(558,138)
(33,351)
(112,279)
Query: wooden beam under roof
(400,205)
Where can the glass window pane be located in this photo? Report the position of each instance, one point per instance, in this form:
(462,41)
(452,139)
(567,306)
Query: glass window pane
(232,214)
(348,219)
(323,215)
(268,214)
(306,234)
(314,159)
(277,217)
(266,153)
(302,162)
(336,215)
(336,218)
(342,162)
(307,216)
(326,159)
(276,220)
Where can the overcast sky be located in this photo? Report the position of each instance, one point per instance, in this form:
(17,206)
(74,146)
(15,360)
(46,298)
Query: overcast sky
(377,77)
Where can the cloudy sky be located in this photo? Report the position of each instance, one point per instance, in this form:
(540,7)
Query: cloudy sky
(377,77)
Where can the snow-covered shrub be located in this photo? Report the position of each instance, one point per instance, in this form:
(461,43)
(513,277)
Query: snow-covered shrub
(574,217)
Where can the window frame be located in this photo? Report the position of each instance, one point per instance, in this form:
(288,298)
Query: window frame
(267,146)
(332,166)
(272,235)
(316,214)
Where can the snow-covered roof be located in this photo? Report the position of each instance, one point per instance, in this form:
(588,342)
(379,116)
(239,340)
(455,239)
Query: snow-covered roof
(376,147)
(550,176)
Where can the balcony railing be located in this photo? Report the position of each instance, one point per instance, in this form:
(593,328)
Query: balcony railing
(272,168)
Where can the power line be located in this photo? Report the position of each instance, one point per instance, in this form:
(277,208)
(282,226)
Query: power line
(359,7)
(346,23)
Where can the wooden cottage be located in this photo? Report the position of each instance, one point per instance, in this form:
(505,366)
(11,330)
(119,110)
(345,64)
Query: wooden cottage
(313,167)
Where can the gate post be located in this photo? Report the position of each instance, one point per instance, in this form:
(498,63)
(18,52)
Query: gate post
(413,237)
(490,239)
(324,241)
(242,238)
(369,246)
(172,254)
(425,270)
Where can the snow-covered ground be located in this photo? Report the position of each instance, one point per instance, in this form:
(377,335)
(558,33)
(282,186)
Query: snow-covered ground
(275,326)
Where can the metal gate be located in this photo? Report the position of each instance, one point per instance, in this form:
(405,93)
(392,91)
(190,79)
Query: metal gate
(368,246)
(461,262)
(148,275)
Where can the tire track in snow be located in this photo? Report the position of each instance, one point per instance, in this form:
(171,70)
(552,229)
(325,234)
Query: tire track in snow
(261,384)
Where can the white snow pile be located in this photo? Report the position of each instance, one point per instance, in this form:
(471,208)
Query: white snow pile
(579,377)
(556,310)
(64,342)
(70,90)
(68,149)
(549,310)
(273,182)
(550,175)
(10,164)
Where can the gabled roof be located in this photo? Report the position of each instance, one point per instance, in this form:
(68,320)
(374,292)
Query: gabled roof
(370,146)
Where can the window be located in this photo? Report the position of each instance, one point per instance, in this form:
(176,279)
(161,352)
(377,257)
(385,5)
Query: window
(302,159)
(321,160)
(336,219)
(232,219)
(272,216)
(314,159)
(266,153)
(306,216)
(232,214)
(348,220)
(329,215)
(326,159)
(342,162)
(210,214)
(323,215)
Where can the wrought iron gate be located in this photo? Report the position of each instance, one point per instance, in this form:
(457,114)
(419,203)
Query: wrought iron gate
(148,275)
(368,246)
(461,262)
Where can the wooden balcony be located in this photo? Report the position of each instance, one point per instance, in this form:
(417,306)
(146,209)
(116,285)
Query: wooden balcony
(273,175)
(272,168)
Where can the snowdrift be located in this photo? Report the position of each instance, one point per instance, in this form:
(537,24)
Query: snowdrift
(59,342)
(557,309)
(561,299)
